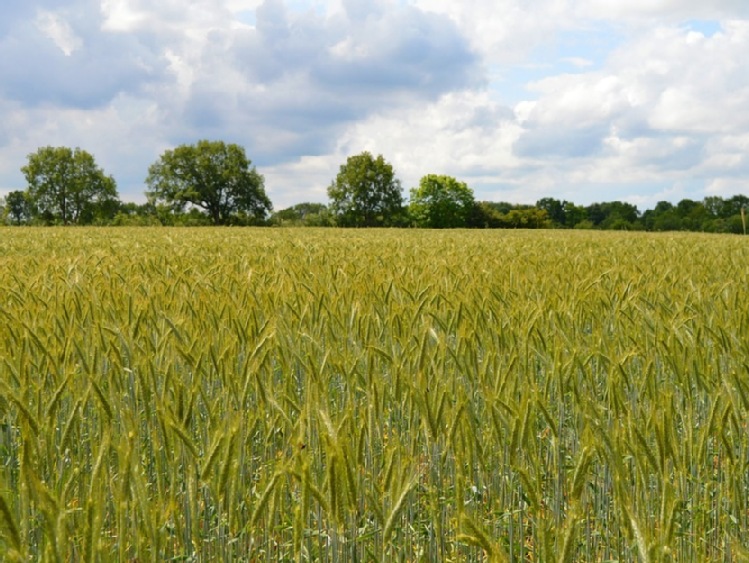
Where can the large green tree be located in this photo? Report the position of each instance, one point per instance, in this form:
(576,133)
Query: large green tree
(212,175)
(17,207)
(66,186)
(441,202)
(366,193)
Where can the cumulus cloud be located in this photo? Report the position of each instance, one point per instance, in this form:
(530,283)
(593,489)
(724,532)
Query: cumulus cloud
(284,87)
(632,100)
(290,84)
(660,109)
(465,134)
(506,31)
(60,56)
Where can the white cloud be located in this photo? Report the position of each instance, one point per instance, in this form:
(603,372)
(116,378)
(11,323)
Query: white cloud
(464,134)
(727,187)
(656,112)
(121,16)
(55,27)
(634,99)
(579,62)
(505,31)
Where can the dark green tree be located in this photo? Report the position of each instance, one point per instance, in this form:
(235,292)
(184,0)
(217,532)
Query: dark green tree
(303,215)
(693,214)
(715,206)
(504,207)
(441,202)
(67,186)
(574,215)
(530,218)
(485,216)
(555,210)
(735,204)
(212,175)
(17,207)
(663,217)
(134,214)
(613,215)
(366,193)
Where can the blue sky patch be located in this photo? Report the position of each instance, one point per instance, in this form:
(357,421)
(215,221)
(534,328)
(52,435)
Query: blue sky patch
(247,17)
(571,52)
(708,28)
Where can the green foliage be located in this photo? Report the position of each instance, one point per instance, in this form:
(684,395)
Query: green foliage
(17,207)
(562,214)
(613,215)
(525,219)
(212,175)
(490,215)
(441,202)
(66,186)
(584,225)
(148,215)
(484,216)
(555,210)
(214,183)
(714,215)
(366,193)
(303,215)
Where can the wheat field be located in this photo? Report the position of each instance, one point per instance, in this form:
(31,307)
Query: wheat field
(326,395)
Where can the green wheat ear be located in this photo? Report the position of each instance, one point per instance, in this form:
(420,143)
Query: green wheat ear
(567,553)
(264,499)
(478,536)
(345,395)
(9,524)
(396,509)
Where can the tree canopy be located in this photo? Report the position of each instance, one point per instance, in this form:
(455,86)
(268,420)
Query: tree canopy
(66,186)
(17,207)
(212,175)
(366,193)
(441,202)
(214,183)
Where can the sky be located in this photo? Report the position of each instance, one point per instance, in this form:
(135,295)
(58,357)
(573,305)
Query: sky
(579,100)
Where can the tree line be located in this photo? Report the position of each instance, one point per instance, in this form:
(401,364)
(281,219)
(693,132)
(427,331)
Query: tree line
(215,183)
